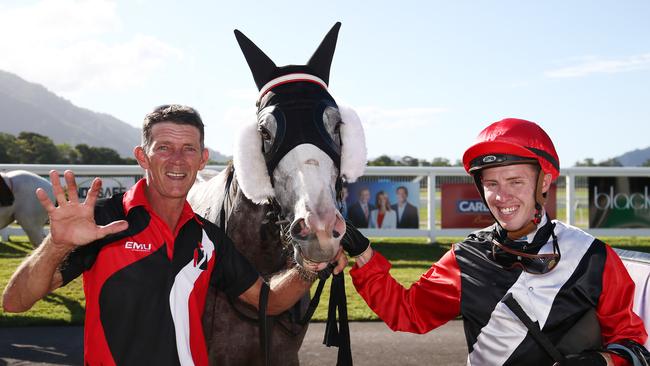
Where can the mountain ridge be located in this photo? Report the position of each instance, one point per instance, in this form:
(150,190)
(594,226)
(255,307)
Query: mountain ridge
(31,107)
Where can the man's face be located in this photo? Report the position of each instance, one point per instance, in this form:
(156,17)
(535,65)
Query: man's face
(172,160)
(510,193)
(401,196)
(364,196)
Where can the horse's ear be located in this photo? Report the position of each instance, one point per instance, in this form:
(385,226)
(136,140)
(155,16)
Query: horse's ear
(260,64)
(321,60)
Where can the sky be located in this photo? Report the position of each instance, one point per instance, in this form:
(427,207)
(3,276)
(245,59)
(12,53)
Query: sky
(425,76)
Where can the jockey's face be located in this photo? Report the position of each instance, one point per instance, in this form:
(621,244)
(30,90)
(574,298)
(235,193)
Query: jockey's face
(510,193)
(172,160)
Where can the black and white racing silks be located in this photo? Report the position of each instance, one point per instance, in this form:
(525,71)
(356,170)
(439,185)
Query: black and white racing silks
(467,281)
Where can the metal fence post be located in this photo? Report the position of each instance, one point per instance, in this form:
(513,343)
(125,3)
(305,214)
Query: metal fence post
(570,198)
(431,198)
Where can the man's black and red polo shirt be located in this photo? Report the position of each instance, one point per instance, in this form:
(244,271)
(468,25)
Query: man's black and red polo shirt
(145,287)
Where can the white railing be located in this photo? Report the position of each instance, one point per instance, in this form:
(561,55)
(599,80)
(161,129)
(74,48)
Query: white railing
(432,174)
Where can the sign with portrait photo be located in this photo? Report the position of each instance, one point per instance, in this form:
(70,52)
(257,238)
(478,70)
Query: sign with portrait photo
(384,204)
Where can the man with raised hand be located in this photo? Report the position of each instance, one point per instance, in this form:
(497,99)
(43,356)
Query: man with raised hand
(531,290)
(147,259)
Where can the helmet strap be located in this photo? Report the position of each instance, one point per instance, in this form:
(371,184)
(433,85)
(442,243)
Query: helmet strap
(540,199)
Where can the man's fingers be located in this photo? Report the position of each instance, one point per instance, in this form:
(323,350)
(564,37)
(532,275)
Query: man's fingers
(112,228)
(45,201)
(91,197)
(341,262)
(72,186)
(59,194)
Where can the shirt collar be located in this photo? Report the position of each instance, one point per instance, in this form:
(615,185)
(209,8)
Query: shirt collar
(136,196)
(537,238)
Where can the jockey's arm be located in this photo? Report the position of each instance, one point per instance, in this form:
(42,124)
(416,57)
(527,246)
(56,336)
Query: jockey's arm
(36,276)
(286,288)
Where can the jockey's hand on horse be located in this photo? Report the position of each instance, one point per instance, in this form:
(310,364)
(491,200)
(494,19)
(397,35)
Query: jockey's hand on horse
(353,242)
(72,223)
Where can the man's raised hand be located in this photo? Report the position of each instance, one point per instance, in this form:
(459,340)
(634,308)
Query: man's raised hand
(72,223)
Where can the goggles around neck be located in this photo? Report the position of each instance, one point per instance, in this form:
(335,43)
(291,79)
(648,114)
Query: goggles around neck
(510,258)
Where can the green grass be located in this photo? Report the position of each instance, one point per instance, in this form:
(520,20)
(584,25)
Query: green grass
(64,306)
(410,258)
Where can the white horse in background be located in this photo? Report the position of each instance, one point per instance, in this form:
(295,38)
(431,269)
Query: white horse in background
(26,210)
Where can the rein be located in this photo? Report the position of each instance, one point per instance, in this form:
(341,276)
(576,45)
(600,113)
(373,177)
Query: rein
(337,335)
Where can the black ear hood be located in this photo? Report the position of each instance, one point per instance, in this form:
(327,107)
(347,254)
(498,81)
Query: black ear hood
(264,69)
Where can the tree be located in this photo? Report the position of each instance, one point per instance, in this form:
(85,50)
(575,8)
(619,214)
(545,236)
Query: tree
(36,149)
(130,161)
(68,154)
(440,162)
(586,162)
(410,161)
(98,155)
(646,163)
(610,162)
(383,160)
(9,149)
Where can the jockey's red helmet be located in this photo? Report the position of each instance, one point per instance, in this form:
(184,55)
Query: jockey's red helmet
(512,141)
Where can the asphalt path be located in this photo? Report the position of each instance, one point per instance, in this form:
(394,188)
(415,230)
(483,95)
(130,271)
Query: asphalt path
(372,344)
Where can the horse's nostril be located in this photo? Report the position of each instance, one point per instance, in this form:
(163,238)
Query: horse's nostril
(335,234)
(299,230)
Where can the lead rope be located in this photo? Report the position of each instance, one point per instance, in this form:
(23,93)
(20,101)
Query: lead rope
(266,323)
(338,336)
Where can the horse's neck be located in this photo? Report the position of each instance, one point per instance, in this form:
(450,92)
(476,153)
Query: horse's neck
(245,223)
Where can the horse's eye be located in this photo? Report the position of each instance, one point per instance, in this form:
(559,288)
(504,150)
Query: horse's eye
(332,122)
(337,128)
(266,135)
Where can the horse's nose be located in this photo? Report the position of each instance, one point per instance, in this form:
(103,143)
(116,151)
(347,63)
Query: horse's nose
(299,229)
(328,224)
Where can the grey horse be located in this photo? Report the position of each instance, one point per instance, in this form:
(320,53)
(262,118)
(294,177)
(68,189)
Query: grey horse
(278,202)
(26,209)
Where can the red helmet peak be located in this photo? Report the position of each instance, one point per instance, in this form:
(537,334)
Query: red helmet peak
(512,141)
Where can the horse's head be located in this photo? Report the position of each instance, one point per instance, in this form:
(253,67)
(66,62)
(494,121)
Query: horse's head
(301,149)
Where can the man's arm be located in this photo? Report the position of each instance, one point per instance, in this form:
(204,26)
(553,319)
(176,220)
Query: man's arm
(72,224)
(619,324)
(35,277)
(428,303)
(286,288)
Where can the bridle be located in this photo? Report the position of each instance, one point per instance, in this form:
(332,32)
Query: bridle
(298,109)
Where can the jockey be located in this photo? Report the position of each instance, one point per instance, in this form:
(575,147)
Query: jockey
(531,290)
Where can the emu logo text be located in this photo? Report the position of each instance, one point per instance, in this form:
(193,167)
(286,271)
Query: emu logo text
(137,247)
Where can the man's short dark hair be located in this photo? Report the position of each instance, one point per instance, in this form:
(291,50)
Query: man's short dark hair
(404,188)
(174,113)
